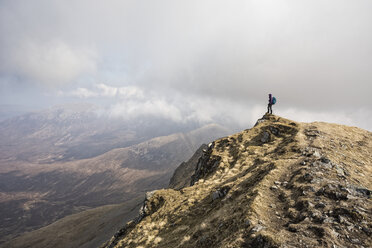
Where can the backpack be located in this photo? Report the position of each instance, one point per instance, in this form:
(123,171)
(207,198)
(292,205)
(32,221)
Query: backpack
(274,100)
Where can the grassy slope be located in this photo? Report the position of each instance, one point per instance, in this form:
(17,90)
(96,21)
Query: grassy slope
(86,229)
(298,188)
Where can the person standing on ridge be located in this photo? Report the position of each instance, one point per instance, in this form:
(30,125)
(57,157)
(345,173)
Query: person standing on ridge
(272,101)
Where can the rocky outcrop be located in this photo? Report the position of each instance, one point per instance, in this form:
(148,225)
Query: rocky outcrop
(206,164)
(279,184)
(182,175)
(150,205)
(220,193)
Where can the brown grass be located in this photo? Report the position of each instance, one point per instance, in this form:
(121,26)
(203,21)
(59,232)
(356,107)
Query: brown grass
(277,189)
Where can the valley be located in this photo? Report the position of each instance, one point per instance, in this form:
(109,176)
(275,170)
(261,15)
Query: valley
(42,181)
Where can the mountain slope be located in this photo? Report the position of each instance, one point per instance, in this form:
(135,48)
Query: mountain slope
(76,131)
(33,195)
(86,229)
(181,176)
(279,184)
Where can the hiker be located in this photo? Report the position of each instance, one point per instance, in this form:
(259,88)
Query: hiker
(272,101)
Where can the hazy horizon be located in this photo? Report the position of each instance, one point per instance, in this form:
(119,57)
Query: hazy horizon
(190,60)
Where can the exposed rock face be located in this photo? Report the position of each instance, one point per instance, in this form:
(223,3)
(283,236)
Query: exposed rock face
(182,175)
(206,164)
(279,184)
(220,193)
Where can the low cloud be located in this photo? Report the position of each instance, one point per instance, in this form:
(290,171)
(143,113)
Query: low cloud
(124,92)
(154,107)
(133,101)
(361,118)
(53,63)
(80,93)
(106,91)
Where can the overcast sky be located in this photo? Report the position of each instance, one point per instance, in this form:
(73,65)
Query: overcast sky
(204,59)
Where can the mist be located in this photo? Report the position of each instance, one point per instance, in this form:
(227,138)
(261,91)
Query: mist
(209,61)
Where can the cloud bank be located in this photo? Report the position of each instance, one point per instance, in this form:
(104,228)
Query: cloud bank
(133,101)
(219,59)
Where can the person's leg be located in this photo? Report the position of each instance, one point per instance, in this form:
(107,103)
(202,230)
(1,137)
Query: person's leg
(271,109)
(268,108)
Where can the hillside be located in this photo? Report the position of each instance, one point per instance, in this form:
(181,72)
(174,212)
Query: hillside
(41,181)
(183,173)
(76,131)
(279,184)
(86,229)
(34,195)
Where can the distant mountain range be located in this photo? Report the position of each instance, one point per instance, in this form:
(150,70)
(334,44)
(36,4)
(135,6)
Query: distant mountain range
(8,111)
(72,158)
(76,131)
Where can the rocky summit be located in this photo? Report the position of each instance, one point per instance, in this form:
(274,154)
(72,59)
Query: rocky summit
(278,184)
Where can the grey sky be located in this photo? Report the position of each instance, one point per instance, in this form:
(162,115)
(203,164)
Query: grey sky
(192,59)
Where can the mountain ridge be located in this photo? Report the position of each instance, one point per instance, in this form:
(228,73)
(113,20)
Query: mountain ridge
(279,184)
